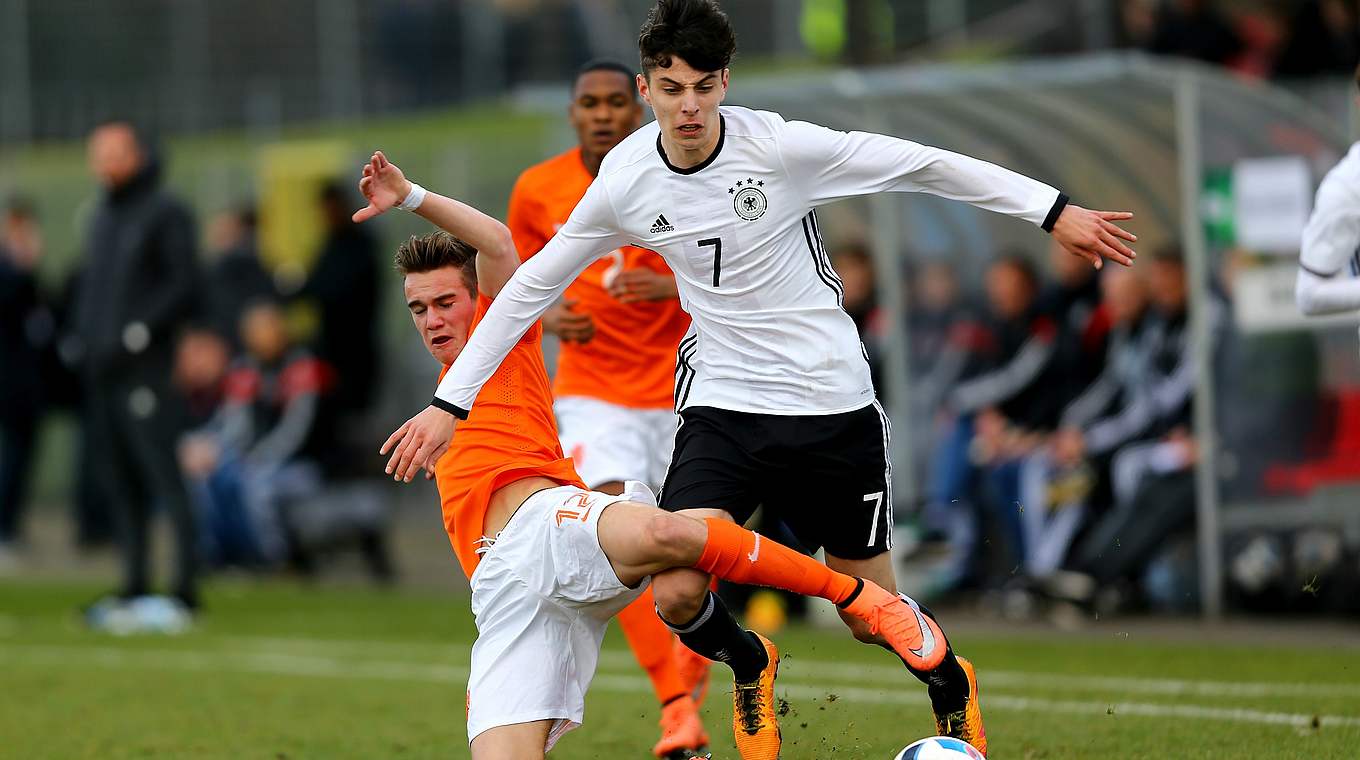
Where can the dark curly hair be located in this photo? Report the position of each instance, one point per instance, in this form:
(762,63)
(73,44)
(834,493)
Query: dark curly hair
(696,31)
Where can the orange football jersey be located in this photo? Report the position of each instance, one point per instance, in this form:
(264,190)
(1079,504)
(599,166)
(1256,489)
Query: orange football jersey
(630,361)
(510,434)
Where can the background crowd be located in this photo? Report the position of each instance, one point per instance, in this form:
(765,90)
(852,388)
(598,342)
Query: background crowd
(1051,406)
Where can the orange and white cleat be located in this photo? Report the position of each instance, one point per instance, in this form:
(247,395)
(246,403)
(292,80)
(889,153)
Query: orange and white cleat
(754,723)
(693,668)
(965,724)
(916,638)
(682,731)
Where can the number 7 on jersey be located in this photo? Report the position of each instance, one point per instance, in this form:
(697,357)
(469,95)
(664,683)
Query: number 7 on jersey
(717,256)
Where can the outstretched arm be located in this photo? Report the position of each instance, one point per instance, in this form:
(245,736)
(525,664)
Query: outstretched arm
(384,186)
(589,233)
(835,164)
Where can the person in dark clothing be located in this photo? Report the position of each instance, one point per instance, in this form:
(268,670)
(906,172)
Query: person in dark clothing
(140,287)
(1056,482)
(855,265)
(1075,303)
(1324,38)
(1195,29)
(1000,412)
(1152,442)
(946,344)
(235,273)
(344,287)
(25,329)
(259,449)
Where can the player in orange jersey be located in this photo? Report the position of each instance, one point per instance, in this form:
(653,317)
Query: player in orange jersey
(549,561)
(620,323)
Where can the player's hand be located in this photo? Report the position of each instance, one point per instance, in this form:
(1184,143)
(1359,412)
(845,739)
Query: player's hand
(383,186)
(633,285)
(419,444)
(569,326)
(1094,236)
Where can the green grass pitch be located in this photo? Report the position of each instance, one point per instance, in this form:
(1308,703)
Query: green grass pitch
(281,671)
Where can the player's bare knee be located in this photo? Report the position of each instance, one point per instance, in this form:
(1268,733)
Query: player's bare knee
(679,595)
(674,539)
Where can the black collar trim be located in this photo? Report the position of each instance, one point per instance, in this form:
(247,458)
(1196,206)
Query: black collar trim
(722,136)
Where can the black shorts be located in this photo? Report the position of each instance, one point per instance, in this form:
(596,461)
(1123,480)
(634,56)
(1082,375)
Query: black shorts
(827,477)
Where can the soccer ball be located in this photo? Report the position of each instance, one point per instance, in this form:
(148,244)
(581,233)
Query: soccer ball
(940,748)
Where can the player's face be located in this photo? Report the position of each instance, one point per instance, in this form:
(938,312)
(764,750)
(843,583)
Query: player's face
(442,308)
(1167,285)
(685,102)
(114,156)
(1008,291)
(603,110)
(1123,293)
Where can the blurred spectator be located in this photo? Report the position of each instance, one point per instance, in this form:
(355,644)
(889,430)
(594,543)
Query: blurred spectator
(139,289)
(1195,29)
(25,329)
(946,343)
(1324,38)
(200,366)
(344,287)
(1151,468)
(1000,411)
(855,267)
(235,274)
(64,386)
(1074,302)
(259,449)
(1056,482)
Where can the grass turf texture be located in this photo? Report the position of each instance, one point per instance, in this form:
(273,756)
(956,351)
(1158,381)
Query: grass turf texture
(281,671)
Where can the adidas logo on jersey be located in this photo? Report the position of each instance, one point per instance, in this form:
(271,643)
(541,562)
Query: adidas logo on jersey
(661,225)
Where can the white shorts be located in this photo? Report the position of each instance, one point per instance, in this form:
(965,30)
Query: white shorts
(612,443)
(542,596)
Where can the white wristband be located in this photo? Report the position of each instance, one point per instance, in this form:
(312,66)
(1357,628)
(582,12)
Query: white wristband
(414,198)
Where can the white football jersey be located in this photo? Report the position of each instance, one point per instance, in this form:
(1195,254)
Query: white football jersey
(1329,256)
(1332,237)
(739,231)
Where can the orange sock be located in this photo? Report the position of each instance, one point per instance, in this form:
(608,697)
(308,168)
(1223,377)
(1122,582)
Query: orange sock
(652,644)
(736,554)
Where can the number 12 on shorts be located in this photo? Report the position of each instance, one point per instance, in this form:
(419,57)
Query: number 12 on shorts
(877,499)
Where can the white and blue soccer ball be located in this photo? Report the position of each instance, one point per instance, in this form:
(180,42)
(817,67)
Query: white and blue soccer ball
(940,748)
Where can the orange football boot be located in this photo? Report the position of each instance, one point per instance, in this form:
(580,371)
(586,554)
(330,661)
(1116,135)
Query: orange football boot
(682,730)
(965,724)
(754,723)
(916,638)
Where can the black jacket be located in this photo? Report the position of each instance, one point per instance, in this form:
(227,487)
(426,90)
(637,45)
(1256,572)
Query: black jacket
(141,282)
(344,286)
(20,354)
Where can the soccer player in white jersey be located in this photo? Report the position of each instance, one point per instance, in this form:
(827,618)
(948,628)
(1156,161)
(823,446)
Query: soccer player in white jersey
(772,386)
(1329,259)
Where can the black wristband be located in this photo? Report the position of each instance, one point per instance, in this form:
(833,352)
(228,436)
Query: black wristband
(1054,212)
(445,406)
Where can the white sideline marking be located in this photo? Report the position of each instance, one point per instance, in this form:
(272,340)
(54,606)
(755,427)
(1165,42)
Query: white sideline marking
(859,673)
(311,665)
